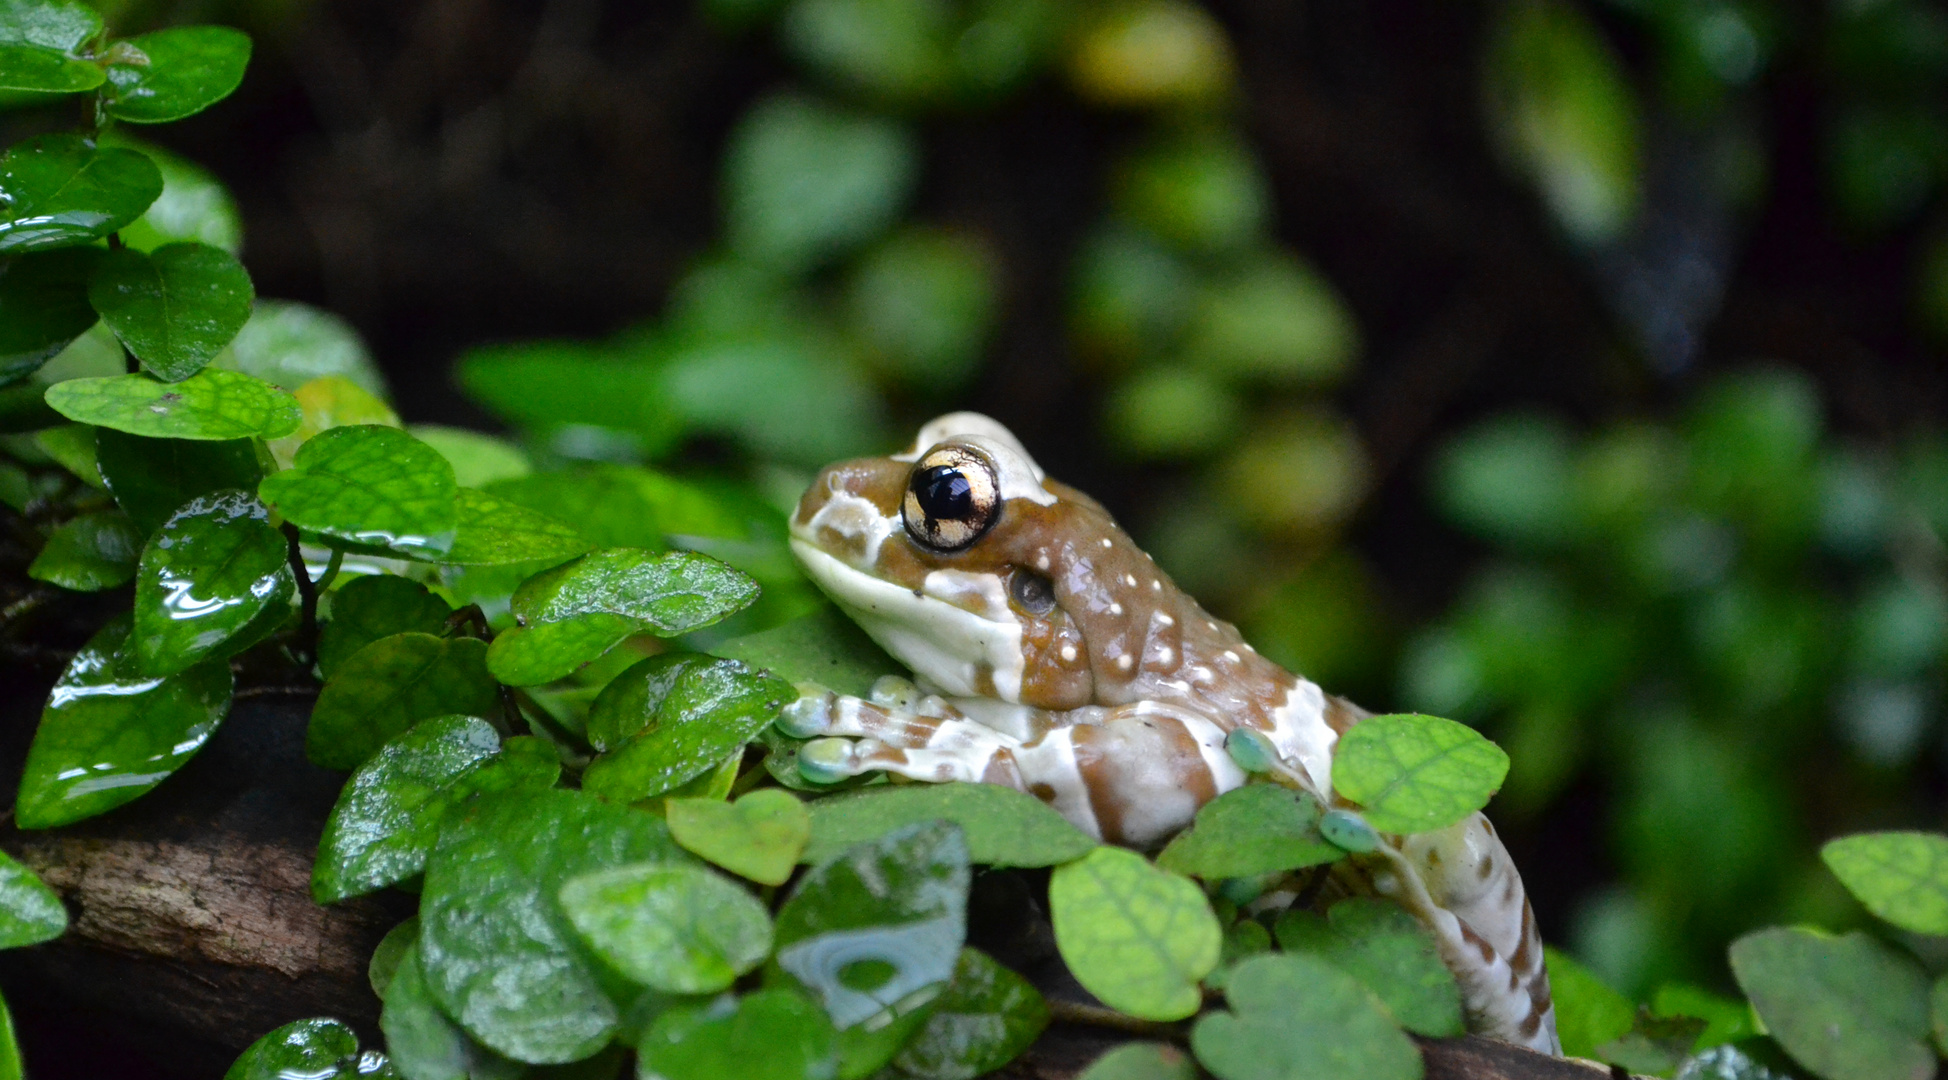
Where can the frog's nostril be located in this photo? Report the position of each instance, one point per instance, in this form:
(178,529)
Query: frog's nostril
(1032,592)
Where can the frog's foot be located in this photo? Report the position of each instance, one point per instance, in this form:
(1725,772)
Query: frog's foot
(897,714)
(830,760)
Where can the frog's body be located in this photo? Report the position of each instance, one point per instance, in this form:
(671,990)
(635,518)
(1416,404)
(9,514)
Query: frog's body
(1057,658)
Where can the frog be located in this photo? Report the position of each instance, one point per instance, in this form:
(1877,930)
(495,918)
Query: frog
(1052,655)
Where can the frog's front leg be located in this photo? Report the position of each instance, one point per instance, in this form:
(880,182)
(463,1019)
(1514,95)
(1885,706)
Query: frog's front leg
(897,730)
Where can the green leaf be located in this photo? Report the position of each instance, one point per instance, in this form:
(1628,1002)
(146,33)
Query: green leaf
(210,405)
(678,929)
(1900,876)
(423,1043)
(1272,319)
(497,951)
(768,1035)
(1848,1008)
(391,684)
(194,205)
(387,955)
(206,576)
(490,531)
(331,401)
(673,717)
(174,73)
(758,837)
(824,647)
(308,1048)
(478,459)
(804,180)
(89,553)
(1938,1014)
(985,1018)
(30,67)
(1252,830)
(668,594)
(369,484)
(547,385)
(1726,1019)
(10,1065)
(175,308)
(1380,944)
(1004,827)
(151,478)
(369,608)
(43,305)
(59,191)
(924,301)
(289,344)
(72,446)
(533,655)
(1298,1016)
(1415,773)
(388,815)
(109,734)
(1137,937)
(1588,1013)
(30,912)
(52,24)
(874,934)
(1142,1061)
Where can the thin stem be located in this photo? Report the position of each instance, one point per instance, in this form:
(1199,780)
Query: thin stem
(307,647)
(331,569)
(1075,1012)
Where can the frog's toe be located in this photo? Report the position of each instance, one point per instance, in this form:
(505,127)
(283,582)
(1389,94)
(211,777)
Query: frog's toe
(828,761)
(893,692)
(809,716)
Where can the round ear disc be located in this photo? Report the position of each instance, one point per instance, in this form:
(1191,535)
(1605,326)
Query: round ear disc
(952,497)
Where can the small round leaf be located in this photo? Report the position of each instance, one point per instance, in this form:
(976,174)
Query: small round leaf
(1416,773)
(176,307)
(678,929)
(209,405)
(1137,937)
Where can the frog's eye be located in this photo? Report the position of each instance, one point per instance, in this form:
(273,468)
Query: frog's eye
(952,498)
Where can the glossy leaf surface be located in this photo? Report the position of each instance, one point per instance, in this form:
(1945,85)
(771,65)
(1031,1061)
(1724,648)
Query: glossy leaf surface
(209,405)
(372,607)
(1389,951)
(1255,829)
(176,307)
(1416,773)
(392,948)
(678,929)
(1298,1016)
(986,1017)
(391,684)
(369,484)
(495,947)
(209,572)
(331,401)
(58,191)
(108,734)
(533,655)
(48,71)
(423,1043)
(669,594)
(43,306)
(151,478)
(491,531)
(64,25)
(673,717)
(1900,876)
(30,912)
(1004,827)
(181,71)
(309,1048)
(1137,937)
(717,1041)
(1848,1007)
(758,837)
(89,553)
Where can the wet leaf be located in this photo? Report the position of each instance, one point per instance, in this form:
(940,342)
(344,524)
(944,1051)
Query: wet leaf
(824,647)
(1142,1061)
(109,734)
(423,1043)
(43,305)
(30,912)
(1848,1007)
(1298,1016)
(1252,830)
(985,1018)
(678,929)
(51,24)
(495,947)
(1588,1013)
(10,1065)
(716,1041)
(388,815)
(89,553)
(1004,827)
(308,1048)
(38,68)
(493,532)
(174,73)
(72,446)
(669,594)
(386,957)
(758,837)
(1380,944)
(804,180)
(175,308)
(151,478)
(1415,773)
(1139,938)
(289,344)
(58,191)
(209,572)
(673,717)
(210,405)
(533,655)
(372,607)
(1900,876)
(389,685)
(369,484)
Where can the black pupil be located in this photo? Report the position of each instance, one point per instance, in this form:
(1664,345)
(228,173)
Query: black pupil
(944,494)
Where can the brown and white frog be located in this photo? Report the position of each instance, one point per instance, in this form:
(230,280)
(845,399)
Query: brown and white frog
(1050,654)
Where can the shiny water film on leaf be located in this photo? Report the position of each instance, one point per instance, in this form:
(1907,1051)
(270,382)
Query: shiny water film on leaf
(89,553)
(1377,942)
(533,655)
(673,717)
(1255,829)
(1847,1007)
(678,929)
(1298,1016)
(758,837)
(423,1042)
(43,306)
(108,734)
(1900,876)
(173,73)
(176,307)
(389,685)
(984,1019)
(209,572)
(1137,937)
(369,484)
(304,1048)
(61,191)
(209,405)
(1004,827)
(64,25)
(669,594)
(1414,773)
(151,478)
(368,608)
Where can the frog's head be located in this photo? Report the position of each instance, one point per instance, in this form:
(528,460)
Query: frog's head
(963,560)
